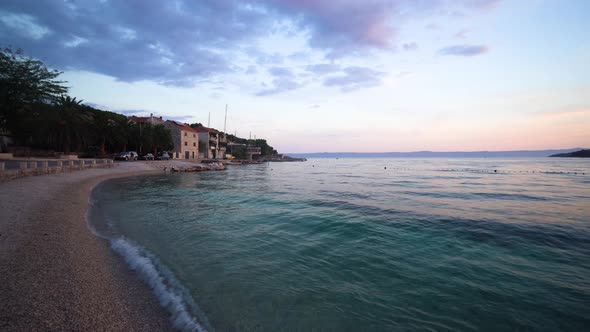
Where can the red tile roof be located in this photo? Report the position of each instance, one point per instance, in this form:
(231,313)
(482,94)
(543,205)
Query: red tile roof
(182,126)
(205,129)
(145,119)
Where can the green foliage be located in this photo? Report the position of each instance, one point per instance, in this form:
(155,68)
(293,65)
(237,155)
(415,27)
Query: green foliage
(36,110)
(24,83)
(162,138)
(239,151)
(266,149)
(235,139)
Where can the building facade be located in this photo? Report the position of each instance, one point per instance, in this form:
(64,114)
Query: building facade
(185,139)
(210,138)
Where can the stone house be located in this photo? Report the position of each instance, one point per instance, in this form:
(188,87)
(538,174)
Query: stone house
(146,119)
(212,139)
(185,139)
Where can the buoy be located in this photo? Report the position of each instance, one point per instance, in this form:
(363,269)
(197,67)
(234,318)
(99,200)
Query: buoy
(495,171)
(385,167)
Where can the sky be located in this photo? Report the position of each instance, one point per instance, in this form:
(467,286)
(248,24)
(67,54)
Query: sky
(328,76)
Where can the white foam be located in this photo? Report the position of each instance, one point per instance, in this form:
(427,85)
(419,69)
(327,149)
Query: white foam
(143,263)
(87,218)
(158,277)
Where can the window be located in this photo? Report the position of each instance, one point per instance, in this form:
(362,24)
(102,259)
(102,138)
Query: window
(194,144)
(185,143)
(185,134)
(194,135)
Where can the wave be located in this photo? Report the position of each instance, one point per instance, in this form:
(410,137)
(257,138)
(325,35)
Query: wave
(160,280)
(158,277)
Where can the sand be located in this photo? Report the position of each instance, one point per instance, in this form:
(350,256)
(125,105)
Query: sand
(54,273)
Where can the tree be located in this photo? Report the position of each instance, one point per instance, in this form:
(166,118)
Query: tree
(71,123)
(124,131)
(240,152)
(104,127)
(162,138)
(266,150)
(24,82)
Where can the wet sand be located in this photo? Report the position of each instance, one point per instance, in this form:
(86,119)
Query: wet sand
(56,275)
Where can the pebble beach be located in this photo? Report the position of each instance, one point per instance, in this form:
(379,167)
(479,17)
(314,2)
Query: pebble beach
(57,275)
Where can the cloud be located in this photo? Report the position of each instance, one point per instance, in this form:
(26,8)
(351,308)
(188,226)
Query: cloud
(179,118)
(281,72)
(279,85)
(461,33)
(354,78)
(179,42)
(342,26)
(251,70)
(432,26)
(464,50)
(323,68)
(410,46)
(24,25)
(284,80)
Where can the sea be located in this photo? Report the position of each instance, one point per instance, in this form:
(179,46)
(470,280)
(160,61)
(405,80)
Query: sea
(360,244)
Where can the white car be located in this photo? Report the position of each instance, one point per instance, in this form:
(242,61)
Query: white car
(128,156)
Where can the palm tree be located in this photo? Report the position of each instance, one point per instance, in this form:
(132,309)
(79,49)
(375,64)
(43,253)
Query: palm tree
(105,127)
(71,121)
(123,131)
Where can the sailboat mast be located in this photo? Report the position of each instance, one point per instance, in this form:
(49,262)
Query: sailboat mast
(225,121)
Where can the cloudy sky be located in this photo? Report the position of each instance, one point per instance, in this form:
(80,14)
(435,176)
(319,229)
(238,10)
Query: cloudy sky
(337,75)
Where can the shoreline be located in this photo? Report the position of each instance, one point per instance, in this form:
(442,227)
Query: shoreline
(57,274)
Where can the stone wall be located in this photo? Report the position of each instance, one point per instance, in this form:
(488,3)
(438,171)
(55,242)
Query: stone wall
(17,168)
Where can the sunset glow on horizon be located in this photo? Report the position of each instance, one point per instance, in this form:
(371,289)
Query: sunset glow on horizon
(338,76)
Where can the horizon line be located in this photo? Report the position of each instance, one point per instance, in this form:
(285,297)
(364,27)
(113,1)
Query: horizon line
(430,151)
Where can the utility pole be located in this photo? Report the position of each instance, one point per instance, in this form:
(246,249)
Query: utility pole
(209,121)
(250,135)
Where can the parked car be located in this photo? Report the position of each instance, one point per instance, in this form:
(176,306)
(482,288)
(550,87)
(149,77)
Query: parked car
(127,155)
(163,156)
(148,156)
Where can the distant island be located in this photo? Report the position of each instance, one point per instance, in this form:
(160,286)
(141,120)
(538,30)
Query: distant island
(435,154)
(575,154)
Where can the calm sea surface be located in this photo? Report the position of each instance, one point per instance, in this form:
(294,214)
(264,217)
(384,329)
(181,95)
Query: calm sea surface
(347,245)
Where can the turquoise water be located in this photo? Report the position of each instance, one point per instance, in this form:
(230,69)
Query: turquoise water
(361,244)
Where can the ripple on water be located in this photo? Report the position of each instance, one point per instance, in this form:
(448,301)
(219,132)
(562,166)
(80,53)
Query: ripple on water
(347,245)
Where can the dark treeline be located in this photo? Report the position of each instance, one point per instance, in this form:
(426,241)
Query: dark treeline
(36,112)
(238,152)
(266,150)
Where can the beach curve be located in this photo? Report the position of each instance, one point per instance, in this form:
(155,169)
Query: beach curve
(56,274)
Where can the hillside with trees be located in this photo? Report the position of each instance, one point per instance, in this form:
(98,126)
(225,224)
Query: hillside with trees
(36,114)
(576,154)
(266,149)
